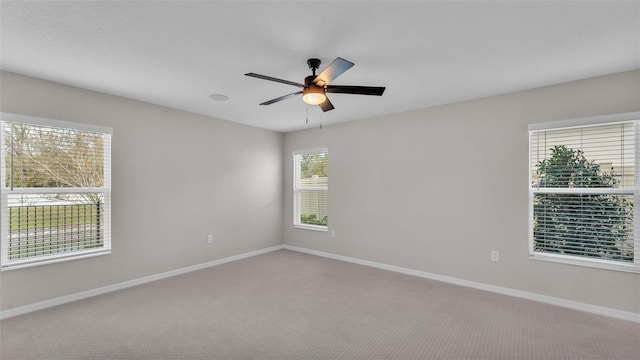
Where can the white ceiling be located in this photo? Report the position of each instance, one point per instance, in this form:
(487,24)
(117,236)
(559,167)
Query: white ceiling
(177,53)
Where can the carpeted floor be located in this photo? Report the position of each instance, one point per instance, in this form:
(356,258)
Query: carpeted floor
(288,305)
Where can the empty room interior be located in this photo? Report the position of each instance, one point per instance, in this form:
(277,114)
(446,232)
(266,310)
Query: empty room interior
(320,180)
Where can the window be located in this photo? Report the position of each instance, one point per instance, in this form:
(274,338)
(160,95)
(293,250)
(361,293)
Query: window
(311,189)
(583,189)
(55,189)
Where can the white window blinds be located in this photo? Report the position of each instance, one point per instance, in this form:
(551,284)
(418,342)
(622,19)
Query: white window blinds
(583,189)
(311,188)
(55,191)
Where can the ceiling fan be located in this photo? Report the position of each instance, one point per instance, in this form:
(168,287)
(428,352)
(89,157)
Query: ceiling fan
(315,87)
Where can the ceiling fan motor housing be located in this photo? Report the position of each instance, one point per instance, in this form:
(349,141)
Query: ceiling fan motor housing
(312,93)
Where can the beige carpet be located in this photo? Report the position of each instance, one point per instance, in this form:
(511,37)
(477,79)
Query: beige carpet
(288,305)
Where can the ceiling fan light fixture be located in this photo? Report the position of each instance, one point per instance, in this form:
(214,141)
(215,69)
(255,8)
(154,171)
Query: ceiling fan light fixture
(313,95)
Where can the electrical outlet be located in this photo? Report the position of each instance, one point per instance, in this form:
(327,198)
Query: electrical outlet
(495,255)
(333,233)
(209,239)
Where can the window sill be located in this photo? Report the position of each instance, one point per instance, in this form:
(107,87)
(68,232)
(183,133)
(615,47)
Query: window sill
(312,227)
(53,260)
(594,263)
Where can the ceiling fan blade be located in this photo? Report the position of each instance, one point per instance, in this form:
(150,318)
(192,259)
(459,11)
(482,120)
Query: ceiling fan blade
(326,105)
(265,77)
(281,98)
(359,90)
(335,69)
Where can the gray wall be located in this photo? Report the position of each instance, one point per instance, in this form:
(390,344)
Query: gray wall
(448,184)
(177,177)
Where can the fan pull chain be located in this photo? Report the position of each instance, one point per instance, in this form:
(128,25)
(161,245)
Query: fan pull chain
(321,118)
(306,109)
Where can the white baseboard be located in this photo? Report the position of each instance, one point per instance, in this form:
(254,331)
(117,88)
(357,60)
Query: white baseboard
(126,284)
(600,310)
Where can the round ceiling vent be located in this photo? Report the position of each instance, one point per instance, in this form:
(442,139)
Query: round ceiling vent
(218,97)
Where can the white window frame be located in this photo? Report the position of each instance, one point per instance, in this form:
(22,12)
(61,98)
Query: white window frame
(8,264)
(635,191)
(297,155)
